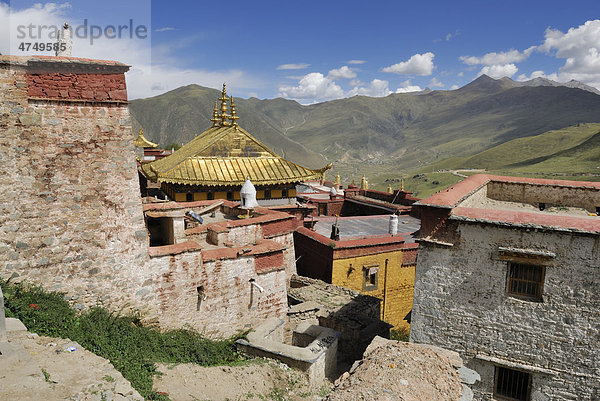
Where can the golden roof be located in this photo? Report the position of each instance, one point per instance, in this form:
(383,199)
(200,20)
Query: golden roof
(226,155)
(142,142)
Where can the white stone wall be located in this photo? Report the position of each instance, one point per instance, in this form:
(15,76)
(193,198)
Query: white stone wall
(460,303)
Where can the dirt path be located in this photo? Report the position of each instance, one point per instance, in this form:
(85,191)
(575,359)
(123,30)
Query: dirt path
(45,368)
(258,380)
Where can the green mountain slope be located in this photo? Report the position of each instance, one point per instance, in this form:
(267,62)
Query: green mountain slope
(379,137)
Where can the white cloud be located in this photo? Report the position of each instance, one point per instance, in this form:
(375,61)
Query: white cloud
(435,83)
(299,66)
(314,86)
(419,64)
(408,88)
(502,58)
(356,61)
(537,74)
(460,74)
(342,72)
(454,87)
(499,71)
(376,88)
(580,47)
(165,29)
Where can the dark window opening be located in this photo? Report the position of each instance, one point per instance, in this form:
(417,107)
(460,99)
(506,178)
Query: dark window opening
(598,210)
(542,206)
(201,297)
(284,193)
(189,197)
(210,195)
(370,278)
(230,195)
(267,194)
(511,385)
(525,281)
(161,231)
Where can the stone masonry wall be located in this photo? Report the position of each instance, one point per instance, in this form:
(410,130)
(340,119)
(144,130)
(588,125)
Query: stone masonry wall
(71,217)
(229,302)
(460,303)
(70,213)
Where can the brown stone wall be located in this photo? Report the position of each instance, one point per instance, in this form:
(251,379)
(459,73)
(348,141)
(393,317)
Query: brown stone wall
(95,87)
(70,216)
(229,303)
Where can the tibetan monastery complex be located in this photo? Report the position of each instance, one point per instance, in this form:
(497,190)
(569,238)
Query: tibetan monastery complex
(215,164)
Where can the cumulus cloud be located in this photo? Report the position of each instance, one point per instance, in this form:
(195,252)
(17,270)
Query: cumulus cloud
(580,48)
(342,72)
(419,64)
(435,83)
(376,88)
(407,87)
(501,58)
(499,71)
(299,66)
(454,87)
(537,74)
(314,86)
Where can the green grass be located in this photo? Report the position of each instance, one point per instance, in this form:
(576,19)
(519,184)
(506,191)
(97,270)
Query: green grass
(133,349)
(399,335)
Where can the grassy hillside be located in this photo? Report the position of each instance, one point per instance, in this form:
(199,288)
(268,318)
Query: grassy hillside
(379,136)
(569,153)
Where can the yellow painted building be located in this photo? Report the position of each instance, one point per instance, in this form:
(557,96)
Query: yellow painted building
(215,164)
(382,267)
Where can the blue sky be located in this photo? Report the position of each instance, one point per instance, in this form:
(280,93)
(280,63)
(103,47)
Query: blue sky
(313,51)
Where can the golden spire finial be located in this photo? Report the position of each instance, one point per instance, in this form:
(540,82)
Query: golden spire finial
(402,184)
(390,190)
(224,116)
(233,117)
(364,184)
(215,118)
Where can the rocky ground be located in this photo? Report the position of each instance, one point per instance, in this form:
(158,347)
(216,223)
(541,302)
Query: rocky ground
(398,371)
(37,368)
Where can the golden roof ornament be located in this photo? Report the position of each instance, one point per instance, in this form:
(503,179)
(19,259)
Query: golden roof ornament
(390,190)
(224,116)
(364,184)
(402,184)
(142,142)
(233,117)
(215,118)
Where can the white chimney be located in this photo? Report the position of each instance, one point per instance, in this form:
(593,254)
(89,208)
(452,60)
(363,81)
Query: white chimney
(393,228)
(65,43)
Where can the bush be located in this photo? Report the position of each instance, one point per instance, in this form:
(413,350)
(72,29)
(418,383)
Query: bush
(133,349)
(399,335)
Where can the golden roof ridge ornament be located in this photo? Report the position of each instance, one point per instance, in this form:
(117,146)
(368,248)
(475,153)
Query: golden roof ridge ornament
(142,142)
(224,116)
(233,117)
(215,118)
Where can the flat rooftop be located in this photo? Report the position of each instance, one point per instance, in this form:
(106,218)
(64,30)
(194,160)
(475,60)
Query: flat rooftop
(355,227)
(520,201)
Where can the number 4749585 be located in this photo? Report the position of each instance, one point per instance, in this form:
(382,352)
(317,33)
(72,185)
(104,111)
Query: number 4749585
(42,47)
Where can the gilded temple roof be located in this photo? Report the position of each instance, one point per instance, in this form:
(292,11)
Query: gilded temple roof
(142,142)
(226,155)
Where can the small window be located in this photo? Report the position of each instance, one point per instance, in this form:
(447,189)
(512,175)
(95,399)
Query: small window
(210,195)
(511,385)
(267,194)
(525,281)
(370,278)
(189,197)
(230,195)
(284,193)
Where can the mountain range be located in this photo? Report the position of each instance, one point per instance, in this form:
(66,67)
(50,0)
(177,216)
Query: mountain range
(377,137)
